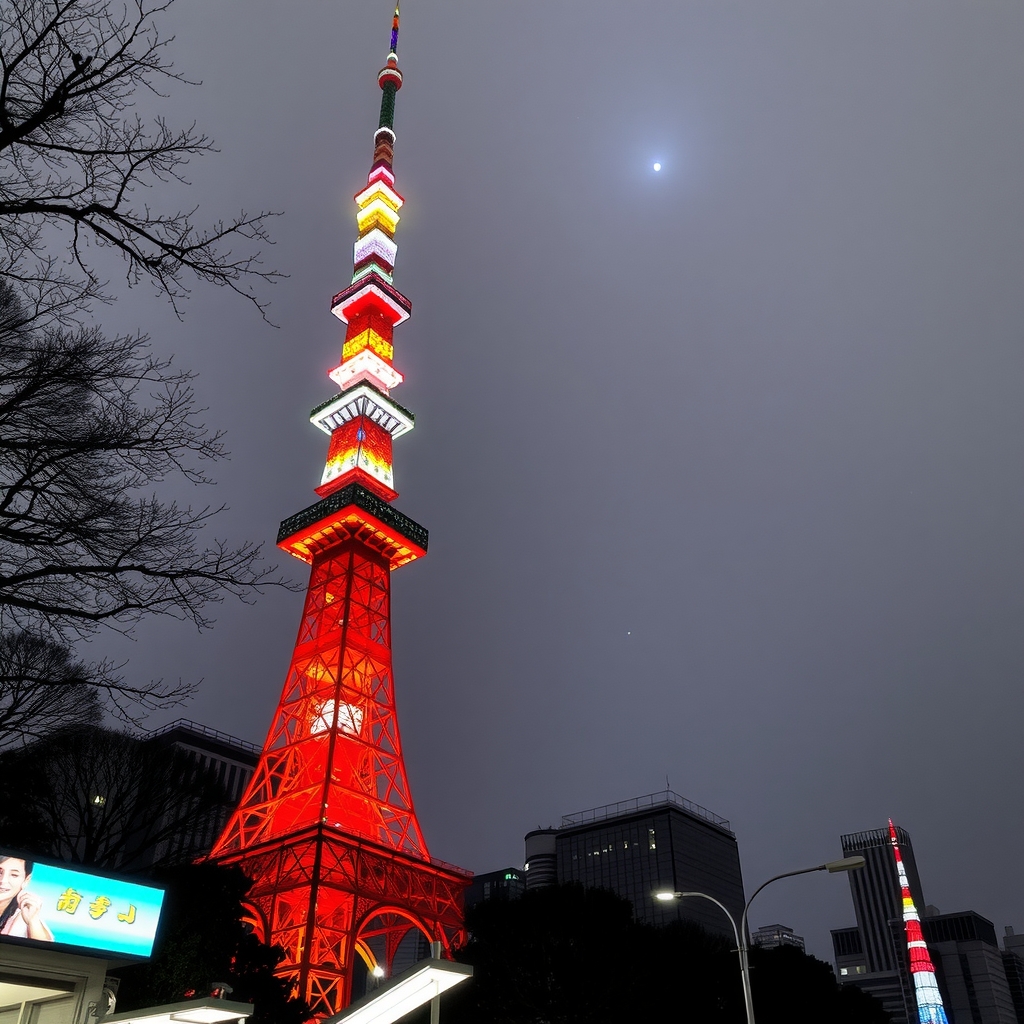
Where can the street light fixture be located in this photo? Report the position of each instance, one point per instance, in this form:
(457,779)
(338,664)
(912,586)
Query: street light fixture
(740,932)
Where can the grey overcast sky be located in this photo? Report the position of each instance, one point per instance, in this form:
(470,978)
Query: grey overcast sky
(722,465)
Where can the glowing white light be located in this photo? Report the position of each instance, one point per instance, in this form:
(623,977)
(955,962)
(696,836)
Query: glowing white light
(377,191)
(378,971)
(350,718)
(363,400)
(375,242)
(401,995)
(665,897)
(657,166)
(204,1012)
(364,365)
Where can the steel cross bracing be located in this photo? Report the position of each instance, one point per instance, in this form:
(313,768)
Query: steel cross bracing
(326,828)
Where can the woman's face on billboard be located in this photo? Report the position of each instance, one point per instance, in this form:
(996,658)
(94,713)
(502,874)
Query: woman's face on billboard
(12,878)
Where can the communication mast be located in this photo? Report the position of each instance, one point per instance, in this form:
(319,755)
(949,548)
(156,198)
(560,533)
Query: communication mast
(327,827)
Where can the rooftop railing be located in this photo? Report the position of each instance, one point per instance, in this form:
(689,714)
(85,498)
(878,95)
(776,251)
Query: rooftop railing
(644,803)
(205,730)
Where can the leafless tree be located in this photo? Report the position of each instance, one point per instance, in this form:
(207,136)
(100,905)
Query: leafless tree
(89,425)
(92,426)
(42,688)
(75,156)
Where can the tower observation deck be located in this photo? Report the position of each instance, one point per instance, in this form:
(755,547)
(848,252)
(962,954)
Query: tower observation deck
(343,880)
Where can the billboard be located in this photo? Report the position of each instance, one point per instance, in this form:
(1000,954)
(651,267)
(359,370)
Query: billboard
(51,903)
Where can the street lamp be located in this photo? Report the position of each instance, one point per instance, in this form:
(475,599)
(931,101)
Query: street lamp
(740,932)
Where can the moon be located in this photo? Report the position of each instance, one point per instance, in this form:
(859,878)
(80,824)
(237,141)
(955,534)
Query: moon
(657,166)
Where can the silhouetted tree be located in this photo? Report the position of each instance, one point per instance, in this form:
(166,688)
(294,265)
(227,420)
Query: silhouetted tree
(42,688)
(565,955)
(88,426)
(203,939)
(75,157)
(792,988)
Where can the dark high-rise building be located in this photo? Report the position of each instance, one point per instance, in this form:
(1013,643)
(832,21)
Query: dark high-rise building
(849,953)
(637,847)
(1014,969)
(876,892)
(874,959)
(1014,943)
(1013,965)
(504,884)
(772,936)
(231,762)
(150,799)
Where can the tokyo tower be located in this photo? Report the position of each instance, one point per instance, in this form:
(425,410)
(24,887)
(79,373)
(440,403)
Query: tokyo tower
(326,828)
(926,989)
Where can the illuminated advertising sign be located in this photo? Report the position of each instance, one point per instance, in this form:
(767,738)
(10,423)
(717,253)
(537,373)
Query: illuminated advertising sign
(51,903)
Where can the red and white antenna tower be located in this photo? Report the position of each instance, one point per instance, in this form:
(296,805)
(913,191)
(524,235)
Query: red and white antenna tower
(326,827)
(926,989)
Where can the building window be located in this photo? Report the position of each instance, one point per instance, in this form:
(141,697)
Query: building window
(651,844)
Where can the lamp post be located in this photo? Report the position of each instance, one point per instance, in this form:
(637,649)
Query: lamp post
(741,932)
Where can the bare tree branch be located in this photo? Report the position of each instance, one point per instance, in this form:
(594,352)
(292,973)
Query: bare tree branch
(89,427)
(74,154)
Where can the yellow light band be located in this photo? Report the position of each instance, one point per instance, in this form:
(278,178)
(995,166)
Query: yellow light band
(368,339)
(377,215)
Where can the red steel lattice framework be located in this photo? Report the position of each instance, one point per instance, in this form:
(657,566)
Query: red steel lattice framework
(327,827)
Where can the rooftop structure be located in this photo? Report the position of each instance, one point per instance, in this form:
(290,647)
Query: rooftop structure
(644,803)
(772,936)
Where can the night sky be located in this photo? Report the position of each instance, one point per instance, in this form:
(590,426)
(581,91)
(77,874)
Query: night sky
(722,464)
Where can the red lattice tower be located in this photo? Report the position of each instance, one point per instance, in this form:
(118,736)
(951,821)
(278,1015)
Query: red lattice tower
(327,828)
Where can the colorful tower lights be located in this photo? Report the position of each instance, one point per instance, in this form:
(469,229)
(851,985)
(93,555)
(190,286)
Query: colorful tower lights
(926,989)
(326,827)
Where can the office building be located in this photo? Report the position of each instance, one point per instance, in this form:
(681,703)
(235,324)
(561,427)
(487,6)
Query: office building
(637,847)
(876,892)
(1013,943)
(229,760)
(505,884)
(152,799)
(1013,966)
(771,936)
(849,953)
(874,957)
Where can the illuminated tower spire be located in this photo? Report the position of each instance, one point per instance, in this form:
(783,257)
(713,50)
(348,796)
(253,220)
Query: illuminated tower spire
(326,828)
(926,989)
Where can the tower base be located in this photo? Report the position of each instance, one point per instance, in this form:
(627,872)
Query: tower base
(328,899)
